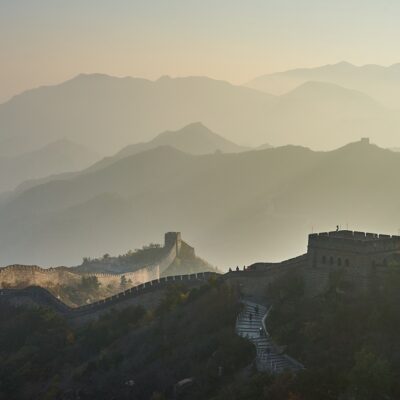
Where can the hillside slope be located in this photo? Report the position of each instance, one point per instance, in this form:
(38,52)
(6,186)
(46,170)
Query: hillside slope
(54,158)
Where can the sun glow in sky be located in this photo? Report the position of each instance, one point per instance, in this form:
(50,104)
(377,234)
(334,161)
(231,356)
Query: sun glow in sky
(48,41)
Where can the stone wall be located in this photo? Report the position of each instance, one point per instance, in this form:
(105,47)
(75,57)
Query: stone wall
(256,279)
(133,278)
(358,248)
(352,249)
(19,276)
(30,275)
(148,295)
(359,255)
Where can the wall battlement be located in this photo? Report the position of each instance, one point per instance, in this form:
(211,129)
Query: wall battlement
(359,254)
(354,236)
(149,292)
(347,248)
(33,275)
(357,242)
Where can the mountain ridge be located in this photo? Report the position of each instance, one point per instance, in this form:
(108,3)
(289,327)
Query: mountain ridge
(379,82)
(56,157)
(195,139)
(88,107)
(107,113)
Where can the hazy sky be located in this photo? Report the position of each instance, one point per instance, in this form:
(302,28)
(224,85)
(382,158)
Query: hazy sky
(48,41)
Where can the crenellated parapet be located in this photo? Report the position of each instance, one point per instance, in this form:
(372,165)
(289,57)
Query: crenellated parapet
(148,294)
(359,255)
(149,286)
(152,266)
(28,275)
(33,275)
(356,241)
(352,249)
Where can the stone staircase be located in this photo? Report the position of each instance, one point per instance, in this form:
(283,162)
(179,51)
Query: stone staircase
(250,324)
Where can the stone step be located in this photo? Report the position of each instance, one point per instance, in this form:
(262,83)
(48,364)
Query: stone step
(248,320)
(247,324)
(249,327)
(266,357)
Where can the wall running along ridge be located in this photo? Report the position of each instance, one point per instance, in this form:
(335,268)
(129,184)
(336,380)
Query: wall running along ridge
(20,276)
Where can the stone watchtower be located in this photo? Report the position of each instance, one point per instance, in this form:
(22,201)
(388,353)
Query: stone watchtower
(357,253)
(173,239)
(352,249)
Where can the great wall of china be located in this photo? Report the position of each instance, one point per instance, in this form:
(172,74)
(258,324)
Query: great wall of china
(359,255)
(147,294)
(31,275)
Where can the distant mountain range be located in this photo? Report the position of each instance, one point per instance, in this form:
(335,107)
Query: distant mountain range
(106,113)
(235,208)
(381,83)
(235,203)
(53,158)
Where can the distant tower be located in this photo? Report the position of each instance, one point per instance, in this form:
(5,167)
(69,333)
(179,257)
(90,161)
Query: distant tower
(365,140)
(173,239)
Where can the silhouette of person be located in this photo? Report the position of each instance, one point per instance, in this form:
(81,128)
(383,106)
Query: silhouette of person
(337,228)
(237,268)
(230,269)
(256,309)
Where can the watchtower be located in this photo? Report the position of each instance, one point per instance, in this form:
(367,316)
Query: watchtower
(352,249)
(173,239)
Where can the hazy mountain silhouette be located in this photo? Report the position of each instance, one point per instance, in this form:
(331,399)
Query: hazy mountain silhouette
(317,112)
(107,113)
(381,83)
(235,208)
(264,146)
(194,139)
(53,158)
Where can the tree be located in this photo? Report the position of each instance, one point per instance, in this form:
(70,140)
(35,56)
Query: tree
(90,283)
(370,378)
(124,281)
